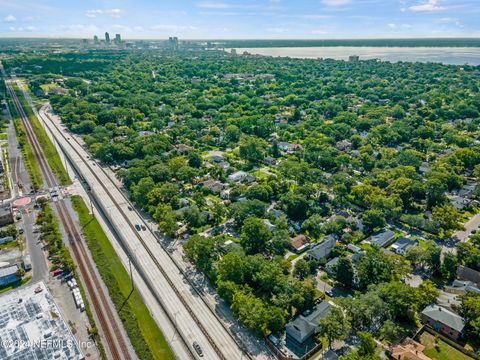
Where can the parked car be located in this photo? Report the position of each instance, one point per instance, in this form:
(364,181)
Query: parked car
(143,227)
(138,227)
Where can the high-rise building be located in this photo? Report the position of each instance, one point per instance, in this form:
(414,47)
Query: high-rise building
(95,40)
(107,38)
(353,58)
(118,39)
(173,42)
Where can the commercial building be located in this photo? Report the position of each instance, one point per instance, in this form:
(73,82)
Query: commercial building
(29,317)
(118,39)
(107,38)
(6,215)
(95,40)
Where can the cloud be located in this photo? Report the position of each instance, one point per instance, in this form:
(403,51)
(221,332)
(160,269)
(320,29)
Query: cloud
(23,28)
(426,6)
(172,28)
(223,5)
(392,26)
(277,30)
(114,13)
(336,2)
(9,18)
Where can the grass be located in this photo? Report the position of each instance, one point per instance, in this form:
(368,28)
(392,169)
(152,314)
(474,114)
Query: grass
(30,162)
(443,352)
(9,245)
(48,148)
(145,336)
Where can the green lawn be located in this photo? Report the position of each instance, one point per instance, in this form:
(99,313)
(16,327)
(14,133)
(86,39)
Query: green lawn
(147,339)
(9,245)
(444,352)
(49,149)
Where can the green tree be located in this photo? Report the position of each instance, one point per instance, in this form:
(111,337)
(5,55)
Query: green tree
(255,235)
(334,326)
(344,272)
(201,250)
(470,310)
(301,269)
(373,218)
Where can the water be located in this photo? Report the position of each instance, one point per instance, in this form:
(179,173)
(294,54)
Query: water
(445,55)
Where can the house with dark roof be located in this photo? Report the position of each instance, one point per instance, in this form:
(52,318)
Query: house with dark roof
(443,321)
(402,244)
(322,250)
(466,274)
(382,238)
(305,326)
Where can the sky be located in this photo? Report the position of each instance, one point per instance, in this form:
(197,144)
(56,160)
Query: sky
(240,19)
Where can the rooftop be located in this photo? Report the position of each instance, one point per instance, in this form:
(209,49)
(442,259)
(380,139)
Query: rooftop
(30,315)
(444,316)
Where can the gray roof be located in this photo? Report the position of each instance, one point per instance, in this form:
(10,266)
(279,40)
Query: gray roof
(323,249)
(8,270)
(403,242)
(444,316)
(465,273)
(382,238)
(305,326)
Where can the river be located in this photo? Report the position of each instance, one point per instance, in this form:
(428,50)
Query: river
(445,55)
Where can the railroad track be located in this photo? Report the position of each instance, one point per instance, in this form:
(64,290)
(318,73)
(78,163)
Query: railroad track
(153,257)
(109,326)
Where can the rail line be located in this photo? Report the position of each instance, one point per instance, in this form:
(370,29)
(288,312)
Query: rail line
(109,325)
(152,256)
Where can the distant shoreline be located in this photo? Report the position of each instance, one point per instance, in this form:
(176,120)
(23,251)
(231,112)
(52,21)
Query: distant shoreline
(444,55)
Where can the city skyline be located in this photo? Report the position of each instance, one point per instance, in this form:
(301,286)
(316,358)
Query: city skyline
(228,19)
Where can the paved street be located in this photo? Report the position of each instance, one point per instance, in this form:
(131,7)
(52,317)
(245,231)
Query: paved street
(169,287)
(472,224)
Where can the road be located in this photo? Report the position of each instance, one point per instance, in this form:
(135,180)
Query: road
(111,330)
(472,224)
(194,319)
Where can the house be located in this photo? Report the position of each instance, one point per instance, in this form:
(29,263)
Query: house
(353,248)
(182,148)
(241,176)
(331,266)
(269,225)
(269,160)
(214,186)
(443,321)
(6,215)
(466,274)
(344,145)
(322,250)
(402,244)
(289,148)
(299,243)
(8,275)
(460,287)
(409,349)
(305,326)
(382,238)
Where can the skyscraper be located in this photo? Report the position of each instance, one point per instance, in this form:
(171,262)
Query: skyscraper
(118,39)
(107,38)
(95,39)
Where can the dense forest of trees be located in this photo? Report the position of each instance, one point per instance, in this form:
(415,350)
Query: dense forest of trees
(331,148)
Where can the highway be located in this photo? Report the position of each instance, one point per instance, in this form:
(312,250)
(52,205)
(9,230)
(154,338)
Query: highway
(111,330)
(193,318)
